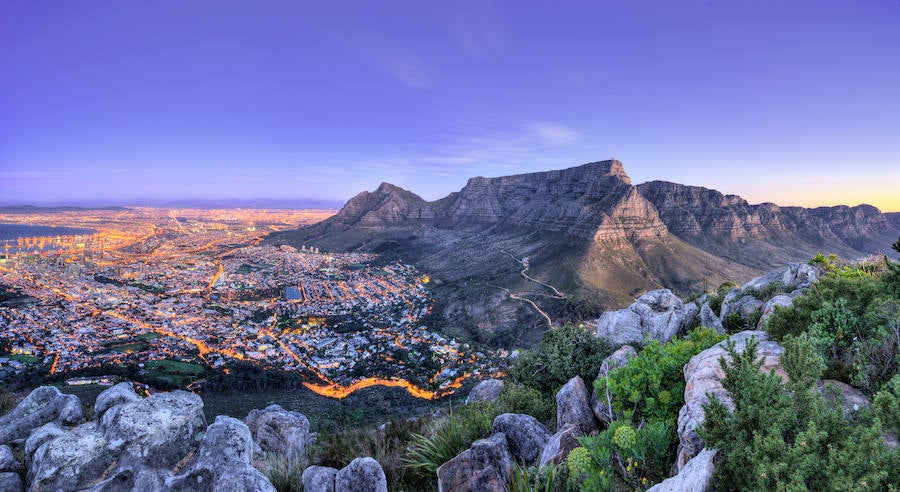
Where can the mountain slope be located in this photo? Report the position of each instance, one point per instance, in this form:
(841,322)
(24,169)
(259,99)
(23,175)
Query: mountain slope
(585,230)
(766,235)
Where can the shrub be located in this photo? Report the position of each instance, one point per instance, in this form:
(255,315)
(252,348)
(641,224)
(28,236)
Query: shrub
(532,478)
(518,398)
(638,449)
(562,354)
(734,322)
(450,436)
(717,297)
(8,401)
(784,436)
(386,444)
(651,385)
(285,473)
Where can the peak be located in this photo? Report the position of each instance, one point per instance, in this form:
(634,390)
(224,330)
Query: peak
(386,187)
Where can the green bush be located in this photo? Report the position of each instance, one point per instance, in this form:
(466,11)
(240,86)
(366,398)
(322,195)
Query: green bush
(784,436)
(562,354)
(285,473)
(651,385)
(638,449)
(716,298)
(518,398)
(734,322)
(853,316)
(450,436)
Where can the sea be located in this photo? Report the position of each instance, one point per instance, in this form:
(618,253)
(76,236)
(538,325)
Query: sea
(13,231)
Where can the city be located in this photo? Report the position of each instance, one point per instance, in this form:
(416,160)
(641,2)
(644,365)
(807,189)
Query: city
(177,293)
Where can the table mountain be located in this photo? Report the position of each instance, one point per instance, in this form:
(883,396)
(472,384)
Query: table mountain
(587,232)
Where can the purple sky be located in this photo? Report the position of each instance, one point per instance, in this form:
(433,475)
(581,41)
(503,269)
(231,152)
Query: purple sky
(795,102)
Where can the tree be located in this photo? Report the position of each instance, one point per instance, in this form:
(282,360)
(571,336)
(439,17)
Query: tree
(896,245)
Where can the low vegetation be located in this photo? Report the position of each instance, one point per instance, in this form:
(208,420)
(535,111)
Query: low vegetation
(784,436)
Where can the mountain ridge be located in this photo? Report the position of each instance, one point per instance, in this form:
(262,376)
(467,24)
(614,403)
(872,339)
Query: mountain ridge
(588,231)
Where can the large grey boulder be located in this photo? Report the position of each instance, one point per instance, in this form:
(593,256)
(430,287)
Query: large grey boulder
(703,380)
(656,315)
(745,305)
(71,461)
(116,395)
(223,461)
(134,443)
(485,466)
(276,430)
(11,482)
(39,436)
(318,479)
(709,319)
(7,459)
(695,475)
(781,300)
(525,436)
(573,407)
(44,404)
(157,431)
(601,401)
(487,390)
(794,275)
(361,475)
(561,444)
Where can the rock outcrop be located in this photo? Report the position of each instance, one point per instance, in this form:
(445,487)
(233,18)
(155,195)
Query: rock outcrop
(116,395)
(487,390)
(703,380)
(656,315)
(601,403)
(525,436)
(781,300)
(276,430)
(709,319)
(318,478)
(43,405)
(695,475)
(561,444)
(361,475)
(573,407)
(485,466)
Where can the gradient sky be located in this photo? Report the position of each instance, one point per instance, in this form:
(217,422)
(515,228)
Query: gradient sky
(794,102)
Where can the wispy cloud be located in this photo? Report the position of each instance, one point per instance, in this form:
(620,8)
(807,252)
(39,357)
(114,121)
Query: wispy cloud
(555,133)
(409,70)
(481,31)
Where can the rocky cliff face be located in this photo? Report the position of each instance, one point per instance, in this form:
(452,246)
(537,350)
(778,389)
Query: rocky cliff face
(587,231)
(763,234)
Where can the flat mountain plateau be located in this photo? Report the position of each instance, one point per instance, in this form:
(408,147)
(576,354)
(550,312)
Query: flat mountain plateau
(506,253)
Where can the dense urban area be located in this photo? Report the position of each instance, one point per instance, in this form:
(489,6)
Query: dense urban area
(173,294)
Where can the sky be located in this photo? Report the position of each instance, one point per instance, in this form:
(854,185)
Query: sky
(791,102)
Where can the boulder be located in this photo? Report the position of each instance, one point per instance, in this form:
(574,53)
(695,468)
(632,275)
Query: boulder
(157,431)
(487,390)
(703,379)
(600,404)
(116,395)
(11,482)
(794,275)
(318,479)
(695,476)
(485,466)
(573,407)
(745,305)
(361,475)
(44,404)
(71,461)
(656,315)
(223,460)
(7,460)
(276,430)
(709,319)
(42,434)
(851,399)
(783,300)
(561,444)
(525,436)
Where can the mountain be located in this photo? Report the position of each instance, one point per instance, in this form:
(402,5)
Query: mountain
(763,235)
(588,234)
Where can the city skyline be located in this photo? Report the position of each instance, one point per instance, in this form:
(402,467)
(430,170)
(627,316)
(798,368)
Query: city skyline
(793,103)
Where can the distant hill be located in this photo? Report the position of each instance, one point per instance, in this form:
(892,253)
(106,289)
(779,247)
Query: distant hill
(588,232)
(31,209)
(271,203)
